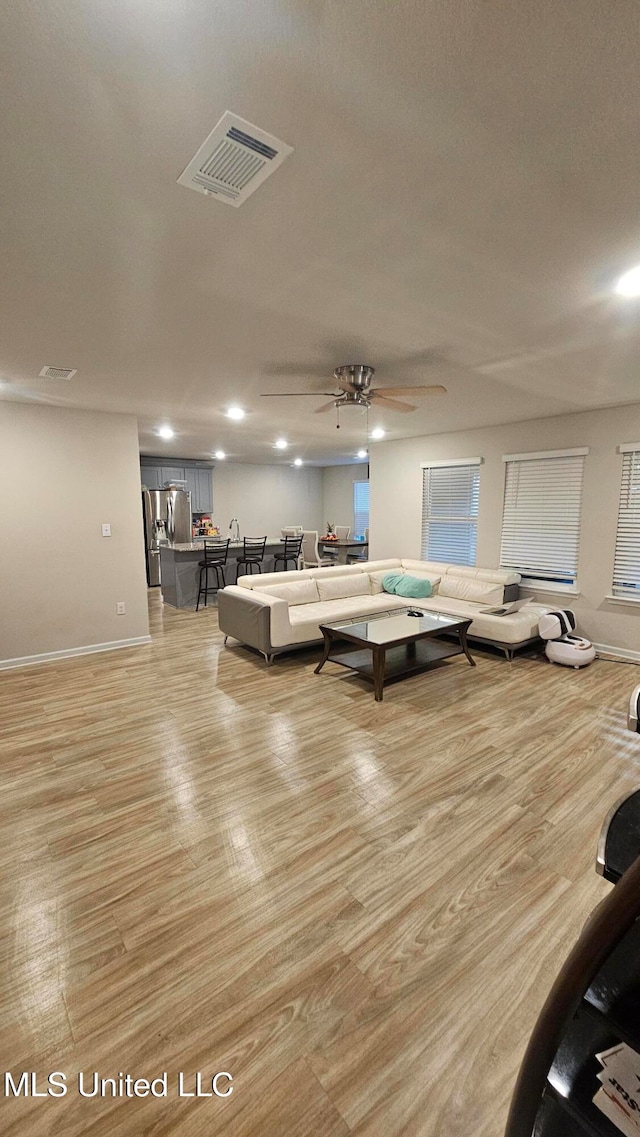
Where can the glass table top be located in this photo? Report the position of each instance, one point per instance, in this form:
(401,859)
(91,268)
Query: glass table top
(384,627)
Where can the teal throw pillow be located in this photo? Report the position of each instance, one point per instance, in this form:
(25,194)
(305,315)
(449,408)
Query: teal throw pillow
(402,584)
(416,586)
(390,581)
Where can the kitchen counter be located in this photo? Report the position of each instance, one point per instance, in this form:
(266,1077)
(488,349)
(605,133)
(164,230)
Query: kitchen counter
(197,544)
(179,568)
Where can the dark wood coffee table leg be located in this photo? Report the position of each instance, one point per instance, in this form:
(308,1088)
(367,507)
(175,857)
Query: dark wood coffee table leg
(378,672)
(462,632)
(328,640)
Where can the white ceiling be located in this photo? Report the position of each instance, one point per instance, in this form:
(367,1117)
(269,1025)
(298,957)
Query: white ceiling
(464,187)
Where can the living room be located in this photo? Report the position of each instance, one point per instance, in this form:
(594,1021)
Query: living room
(239,878)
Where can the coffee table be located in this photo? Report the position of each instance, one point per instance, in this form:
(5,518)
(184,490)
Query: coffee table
(393,644)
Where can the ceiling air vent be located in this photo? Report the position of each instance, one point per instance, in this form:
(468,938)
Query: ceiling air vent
(58,372)
(234,160)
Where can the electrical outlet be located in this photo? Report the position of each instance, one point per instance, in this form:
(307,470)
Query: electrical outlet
(106,529)
(121,608)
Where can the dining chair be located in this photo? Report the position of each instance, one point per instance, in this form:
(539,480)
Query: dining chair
(361,554)
(311,555)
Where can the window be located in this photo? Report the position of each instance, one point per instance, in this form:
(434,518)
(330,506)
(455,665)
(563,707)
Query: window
(360,508)
(450,494)
(541,517)
(626,569)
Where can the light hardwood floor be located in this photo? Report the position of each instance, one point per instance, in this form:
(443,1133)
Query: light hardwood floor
(354,908)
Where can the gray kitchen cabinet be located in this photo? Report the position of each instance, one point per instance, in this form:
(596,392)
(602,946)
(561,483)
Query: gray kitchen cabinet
(205,491)
(172,474)
(154,474)
(191,474)
(151,477)
(199,482)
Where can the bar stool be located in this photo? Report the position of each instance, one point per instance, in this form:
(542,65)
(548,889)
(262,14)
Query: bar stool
(252,554)
(291,552)
(215,558)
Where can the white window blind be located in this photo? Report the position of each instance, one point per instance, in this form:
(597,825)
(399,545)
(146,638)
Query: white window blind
(541,516)
(450,495)
(360,508)
(626,569)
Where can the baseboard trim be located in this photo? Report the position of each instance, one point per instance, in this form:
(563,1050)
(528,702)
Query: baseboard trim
(68,653)
(617,652)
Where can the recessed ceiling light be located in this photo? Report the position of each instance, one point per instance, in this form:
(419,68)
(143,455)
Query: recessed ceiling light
(165,432)
(281,444)
(220,454)
(235,412)
(361,454)
(629,283)
(377,433)
(297,461)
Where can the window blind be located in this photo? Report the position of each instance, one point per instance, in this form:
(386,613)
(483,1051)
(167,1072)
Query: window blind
(541,516)
(450,496)
(626,569)
(360,508)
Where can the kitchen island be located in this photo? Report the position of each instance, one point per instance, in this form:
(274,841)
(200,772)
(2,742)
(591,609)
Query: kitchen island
(179,571)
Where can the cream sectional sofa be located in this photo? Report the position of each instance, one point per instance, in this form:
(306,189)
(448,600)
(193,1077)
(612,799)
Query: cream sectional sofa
(275,612)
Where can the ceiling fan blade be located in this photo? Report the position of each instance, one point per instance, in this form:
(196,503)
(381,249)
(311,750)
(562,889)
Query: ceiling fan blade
(288,394)
(325,407)
(393,404)
(436,390)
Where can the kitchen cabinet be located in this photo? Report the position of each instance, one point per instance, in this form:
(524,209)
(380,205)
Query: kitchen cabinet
(172,474)
(154,475)
(151,477)
(199,482)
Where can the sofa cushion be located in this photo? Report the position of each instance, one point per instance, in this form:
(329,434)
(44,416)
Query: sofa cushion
(467,588)
(306,619)
(516,628)
(335,586)
(430,568)
(294,591)
(497,576)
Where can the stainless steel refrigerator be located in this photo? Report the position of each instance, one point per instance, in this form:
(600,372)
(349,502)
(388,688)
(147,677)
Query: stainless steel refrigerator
(167,517)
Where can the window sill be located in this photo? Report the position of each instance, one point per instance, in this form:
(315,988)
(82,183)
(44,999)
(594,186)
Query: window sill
(622,599)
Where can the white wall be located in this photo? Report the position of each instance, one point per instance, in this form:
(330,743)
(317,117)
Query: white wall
(396,503)
(337,493)
(264,498)
(63,473)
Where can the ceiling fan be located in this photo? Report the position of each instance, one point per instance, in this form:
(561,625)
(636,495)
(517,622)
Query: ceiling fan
(355,390)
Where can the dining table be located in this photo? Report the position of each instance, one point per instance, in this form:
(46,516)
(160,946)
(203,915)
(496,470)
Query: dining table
(343,547)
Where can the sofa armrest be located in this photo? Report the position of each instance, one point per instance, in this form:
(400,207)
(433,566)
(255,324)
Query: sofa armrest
(254,618)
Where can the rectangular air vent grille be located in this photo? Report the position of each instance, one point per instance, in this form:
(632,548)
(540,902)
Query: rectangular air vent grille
(58,372)
(234,160)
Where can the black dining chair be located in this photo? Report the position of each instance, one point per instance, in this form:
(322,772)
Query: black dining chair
(215,558)
(252,555)
(291,552)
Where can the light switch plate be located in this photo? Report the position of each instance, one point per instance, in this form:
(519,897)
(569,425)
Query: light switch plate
(106,529)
